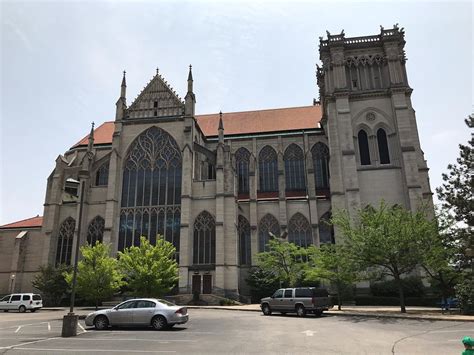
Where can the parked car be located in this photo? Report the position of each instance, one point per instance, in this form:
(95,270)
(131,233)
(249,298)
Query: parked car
(300,300)
(157,313)
(21,302)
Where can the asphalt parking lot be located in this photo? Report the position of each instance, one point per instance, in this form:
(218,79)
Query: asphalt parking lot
(234,332)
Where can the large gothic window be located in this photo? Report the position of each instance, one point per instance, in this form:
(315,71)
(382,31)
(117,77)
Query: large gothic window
(65,239)
(268,169)
(244,241)
(267,224)
(294,168)
(326,229)
(151,190)
(95,232)
(320,153)
(363,147)
(204,244)
(242,158)
(383,147)
(102,175)
(299,231)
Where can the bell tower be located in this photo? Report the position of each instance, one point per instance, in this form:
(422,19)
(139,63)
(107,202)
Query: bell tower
(368,117)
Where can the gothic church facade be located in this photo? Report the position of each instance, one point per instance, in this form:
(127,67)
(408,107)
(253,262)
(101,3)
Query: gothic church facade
(215,185)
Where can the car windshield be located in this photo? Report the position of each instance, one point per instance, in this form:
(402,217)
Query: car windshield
(165,302)
(6,298)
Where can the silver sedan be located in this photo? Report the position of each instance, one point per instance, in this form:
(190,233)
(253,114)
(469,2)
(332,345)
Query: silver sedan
(158,313)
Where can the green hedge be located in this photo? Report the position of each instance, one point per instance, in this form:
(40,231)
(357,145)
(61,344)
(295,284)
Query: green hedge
(412,287)
(394,301)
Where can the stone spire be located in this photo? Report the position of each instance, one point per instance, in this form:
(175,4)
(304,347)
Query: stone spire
(220,130)
(121,104)
(190,99)
(91,139)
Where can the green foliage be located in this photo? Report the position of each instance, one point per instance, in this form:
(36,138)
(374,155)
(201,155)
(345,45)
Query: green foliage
(227,302)
(52,285)
(412,287)
(262,283)
(395,301)
(391,240)
(335,264)
(465,293)
(150,271)
(98,277)
(286,261)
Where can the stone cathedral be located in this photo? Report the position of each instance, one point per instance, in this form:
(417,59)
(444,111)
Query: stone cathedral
(215,185)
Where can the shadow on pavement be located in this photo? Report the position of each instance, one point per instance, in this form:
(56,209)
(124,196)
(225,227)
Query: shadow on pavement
(138,329)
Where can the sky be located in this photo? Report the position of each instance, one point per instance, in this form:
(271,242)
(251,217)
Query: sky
(62,62)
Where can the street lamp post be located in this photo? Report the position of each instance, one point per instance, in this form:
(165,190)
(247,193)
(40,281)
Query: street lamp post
(70,320)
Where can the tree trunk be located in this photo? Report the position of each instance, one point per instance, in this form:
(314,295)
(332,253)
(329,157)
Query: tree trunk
(401,294)
(339,301)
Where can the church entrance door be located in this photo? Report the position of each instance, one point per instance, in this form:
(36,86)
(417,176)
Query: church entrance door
(196,286)
(207,284)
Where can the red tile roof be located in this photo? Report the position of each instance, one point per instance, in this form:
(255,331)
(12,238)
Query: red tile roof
(102,134)
(25,223)
(263,121)
(237,123)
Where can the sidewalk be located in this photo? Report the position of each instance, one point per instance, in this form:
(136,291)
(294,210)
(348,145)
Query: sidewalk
(420,313)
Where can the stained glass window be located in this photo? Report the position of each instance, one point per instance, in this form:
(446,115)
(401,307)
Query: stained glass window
(267,224)
(95,232)
(242,158)
(204,245)
(102,175)
(65,239)
(299,231)
(151,190)
(294,168)
(320,154)
(244,241)
(383,147)
(268,169)
(363,147)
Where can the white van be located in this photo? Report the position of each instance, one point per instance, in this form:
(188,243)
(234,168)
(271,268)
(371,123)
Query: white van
(21,302)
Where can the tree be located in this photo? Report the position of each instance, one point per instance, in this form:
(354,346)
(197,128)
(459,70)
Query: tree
(335,264)
(150,271)
(98,277)
(390,239)
(457,198)
(50,282)
(262,283)
(286,261)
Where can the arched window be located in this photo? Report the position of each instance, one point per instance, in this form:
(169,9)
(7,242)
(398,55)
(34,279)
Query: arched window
(244,241)
(242,158)
(102,175)
(95,232)
(267,224)
(294,168)
(65,239)
(320,153)
(151,190)
(383,146)
(363,147)
(299,231)
(204,246)
(326,229)
(268,169)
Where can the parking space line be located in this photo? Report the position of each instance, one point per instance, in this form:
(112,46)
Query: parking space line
(80,326)
(49,326)
(99,350)
(18,329)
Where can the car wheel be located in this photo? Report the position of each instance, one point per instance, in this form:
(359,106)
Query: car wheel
(300,311)
(5,310)
(33,310)
(159,322)
(22,309)
(101,322)
(266,310)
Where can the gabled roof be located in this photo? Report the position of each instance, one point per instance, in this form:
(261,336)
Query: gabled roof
(25,223)
(102,135)
(238,123)
(262,121)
